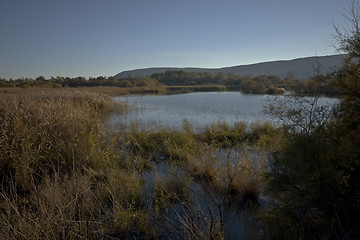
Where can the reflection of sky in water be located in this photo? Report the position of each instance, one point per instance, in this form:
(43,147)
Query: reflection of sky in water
(199,109)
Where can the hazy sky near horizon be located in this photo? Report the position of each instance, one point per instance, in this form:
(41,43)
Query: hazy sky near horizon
(93,38)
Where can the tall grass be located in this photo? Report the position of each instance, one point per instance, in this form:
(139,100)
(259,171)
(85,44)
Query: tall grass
(63,175)
(60,177)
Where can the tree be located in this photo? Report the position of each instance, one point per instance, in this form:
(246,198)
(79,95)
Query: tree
(250,86)
(314,181)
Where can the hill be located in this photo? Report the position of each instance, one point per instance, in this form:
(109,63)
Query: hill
(301,68)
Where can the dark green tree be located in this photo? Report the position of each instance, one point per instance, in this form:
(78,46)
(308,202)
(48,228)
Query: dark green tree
(314,181)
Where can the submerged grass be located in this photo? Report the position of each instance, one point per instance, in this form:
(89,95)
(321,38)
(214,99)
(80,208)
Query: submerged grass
(64,176)
(218,170)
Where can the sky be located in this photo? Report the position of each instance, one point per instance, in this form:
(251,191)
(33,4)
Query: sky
(92,38)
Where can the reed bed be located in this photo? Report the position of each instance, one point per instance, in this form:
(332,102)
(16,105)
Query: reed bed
(64,175)
(60,176)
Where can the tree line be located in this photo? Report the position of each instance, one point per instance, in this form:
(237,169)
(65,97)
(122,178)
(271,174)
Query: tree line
(59,81)
(256,84)
(251,83)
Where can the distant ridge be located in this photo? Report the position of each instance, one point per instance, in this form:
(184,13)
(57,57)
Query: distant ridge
(301,68)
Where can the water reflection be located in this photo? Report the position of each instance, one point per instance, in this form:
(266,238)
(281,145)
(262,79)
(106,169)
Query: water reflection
(200,109)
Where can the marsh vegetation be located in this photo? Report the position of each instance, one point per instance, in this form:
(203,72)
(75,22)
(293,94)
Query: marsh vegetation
(64,174)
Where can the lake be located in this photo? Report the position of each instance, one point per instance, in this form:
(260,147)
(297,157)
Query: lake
(200,109)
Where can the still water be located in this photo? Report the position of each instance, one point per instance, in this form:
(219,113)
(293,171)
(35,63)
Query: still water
(200,109)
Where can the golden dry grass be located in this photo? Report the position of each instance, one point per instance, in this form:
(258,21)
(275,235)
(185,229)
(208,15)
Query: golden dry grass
(64,176)
(60,176)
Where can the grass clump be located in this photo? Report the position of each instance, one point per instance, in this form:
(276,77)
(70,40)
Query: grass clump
(60,176)
(46,133)
(161,144)
(170,189)
(225,136)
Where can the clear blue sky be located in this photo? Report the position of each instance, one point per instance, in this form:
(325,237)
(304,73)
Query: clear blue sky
(93,38)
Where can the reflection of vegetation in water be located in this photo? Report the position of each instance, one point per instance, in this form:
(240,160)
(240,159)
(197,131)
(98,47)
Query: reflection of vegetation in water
(204,180)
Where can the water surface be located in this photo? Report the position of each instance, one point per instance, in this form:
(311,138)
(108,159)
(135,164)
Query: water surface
(200,109)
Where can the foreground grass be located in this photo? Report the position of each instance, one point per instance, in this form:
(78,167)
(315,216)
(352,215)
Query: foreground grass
(60,175)
(63,176)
